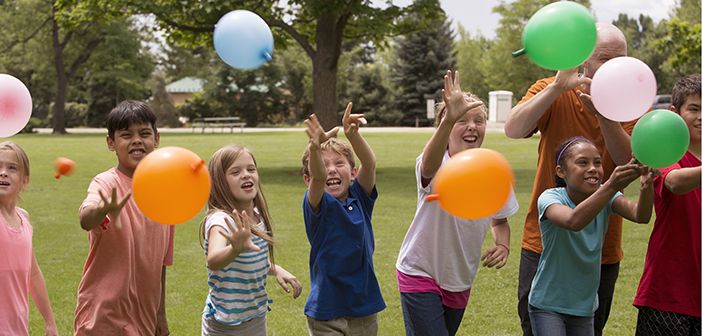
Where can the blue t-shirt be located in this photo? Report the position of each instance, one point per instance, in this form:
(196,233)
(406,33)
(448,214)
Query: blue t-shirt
(341,256)
(568,274)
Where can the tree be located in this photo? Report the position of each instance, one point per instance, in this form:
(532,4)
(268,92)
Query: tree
(470,53)
(421,61)
(320,27)
(162,104)
(642,37)
(71,65)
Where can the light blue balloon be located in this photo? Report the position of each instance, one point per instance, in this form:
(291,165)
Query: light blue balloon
(243,40)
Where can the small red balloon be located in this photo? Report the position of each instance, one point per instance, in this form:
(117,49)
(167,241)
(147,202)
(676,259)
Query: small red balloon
(64,167)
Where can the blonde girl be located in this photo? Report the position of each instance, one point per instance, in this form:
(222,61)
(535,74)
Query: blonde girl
(238,243)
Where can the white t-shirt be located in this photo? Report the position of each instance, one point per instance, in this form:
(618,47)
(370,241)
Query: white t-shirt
(444,247)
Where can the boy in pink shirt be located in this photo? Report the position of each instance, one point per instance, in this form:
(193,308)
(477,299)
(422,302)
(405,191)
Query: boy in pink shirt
(122,291)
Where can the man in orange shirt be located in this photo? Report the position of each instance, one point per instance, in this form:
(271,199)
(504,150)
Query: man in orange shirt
(560,108)
(122,291)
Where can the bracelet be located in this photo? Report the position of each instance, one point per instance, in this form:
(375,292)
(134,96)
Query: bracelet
(505,246)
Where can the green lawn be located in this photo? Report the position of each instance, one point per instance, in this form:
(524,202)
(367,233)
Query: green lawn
(61,245)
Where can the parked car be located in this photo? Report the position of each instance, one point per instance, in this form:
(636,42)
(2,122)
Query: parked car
(662,102)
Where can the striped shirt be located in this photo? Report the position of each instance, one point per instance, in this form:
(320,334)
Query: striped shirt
(238,291)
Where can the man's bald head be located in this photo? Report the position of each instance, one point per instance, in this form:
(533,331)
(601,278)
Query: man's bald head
(611,43)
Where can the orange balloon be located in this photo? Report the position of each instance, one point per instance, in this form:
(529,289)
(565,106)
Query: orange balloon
(64,167)
(171,185)
(473,184)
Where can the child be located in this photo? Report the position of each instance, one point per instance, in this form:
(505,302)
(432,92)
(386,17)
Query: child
(440,255)
(573,220)
(122,291)
(237,261)
(337,207)
(20,274)
(668,297)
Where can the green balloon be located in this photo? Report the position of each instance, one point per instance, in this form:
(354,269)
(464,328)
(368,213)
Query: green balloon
(560,36)
(660,139)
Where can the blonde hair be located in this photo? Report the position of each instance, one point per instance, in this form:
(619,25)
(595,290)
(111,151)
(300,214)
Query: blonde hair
(221,198)
(21,156)
(440,108)
(340,147)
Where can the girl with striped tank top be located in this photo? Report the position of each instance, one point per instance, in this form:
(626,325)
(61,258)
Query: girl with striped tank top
(238,243)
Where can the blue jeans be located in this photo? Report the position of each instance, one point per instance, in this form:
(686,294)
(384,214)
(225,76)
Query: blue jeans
(548,323)
(425,315)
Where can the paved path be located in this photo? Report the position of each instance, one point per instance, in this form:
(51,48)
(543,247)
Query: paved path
(491,127)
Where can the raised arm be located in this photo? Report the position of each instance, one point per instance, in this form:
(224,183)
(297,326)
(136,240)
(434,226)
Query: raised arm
(318,173)
(456,107)
(640,211)
(683,180)
(585,212)
(91,216)
(366,172)
(40,296)
(524,117)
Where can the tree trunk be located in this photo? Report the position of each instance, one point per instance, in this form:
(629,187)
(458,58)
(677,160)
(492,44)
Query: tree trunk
(58,109)
(324,71)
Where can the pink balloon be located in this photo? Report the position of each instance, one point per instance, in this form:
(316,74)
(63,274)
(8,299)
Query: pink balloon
(15,105)
(623,89)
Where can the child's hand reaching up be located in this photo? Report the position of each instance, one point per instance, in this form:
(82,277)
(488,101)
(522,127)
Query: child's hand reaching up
(285,278)
(316,133)
(352,122)
(456,103)
(495,256)
(113,206)
(240,237)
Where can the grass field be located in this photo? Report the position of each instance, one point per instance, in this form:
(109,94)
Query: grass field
(61,245)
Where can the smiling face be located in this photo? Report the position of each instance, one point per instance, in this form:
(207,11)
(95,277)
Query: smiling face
(582,169)
(12,177)
(242,178)
(339,174)
(132,144)
(690,113)
(468,132)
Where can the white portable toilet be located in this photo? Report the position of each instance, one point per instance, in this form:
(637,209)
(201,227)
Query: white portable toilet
(500,105)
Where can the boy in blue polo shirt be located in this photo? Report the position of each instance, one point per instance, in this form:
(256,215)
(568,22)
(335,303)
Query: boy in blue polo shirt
(345,297)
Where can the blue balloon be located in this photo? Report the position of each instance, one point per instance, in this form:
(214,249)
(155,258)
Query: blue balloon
(243,40)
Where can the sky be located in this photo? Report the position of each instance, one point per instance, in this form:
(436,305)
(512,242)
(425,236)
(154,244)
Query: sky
(477,16)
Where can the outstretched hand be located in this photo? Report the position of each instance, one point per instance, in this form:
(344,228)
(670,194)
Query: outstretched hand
(352,122)
(113,206)
(239,236)
(316,133)
(623,175)
(456,103)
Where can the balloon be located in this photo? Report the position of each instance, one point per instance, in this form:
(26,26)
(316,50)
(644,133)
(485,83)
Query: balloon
(559,36)
(171,185)
(473,184)
(623,89)
(64,167)
(660,139)
(15,105)
(243,40)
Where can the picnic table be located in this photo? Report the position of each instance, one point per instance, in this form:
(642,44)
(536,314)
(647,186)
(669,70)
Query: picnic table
(218,122)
